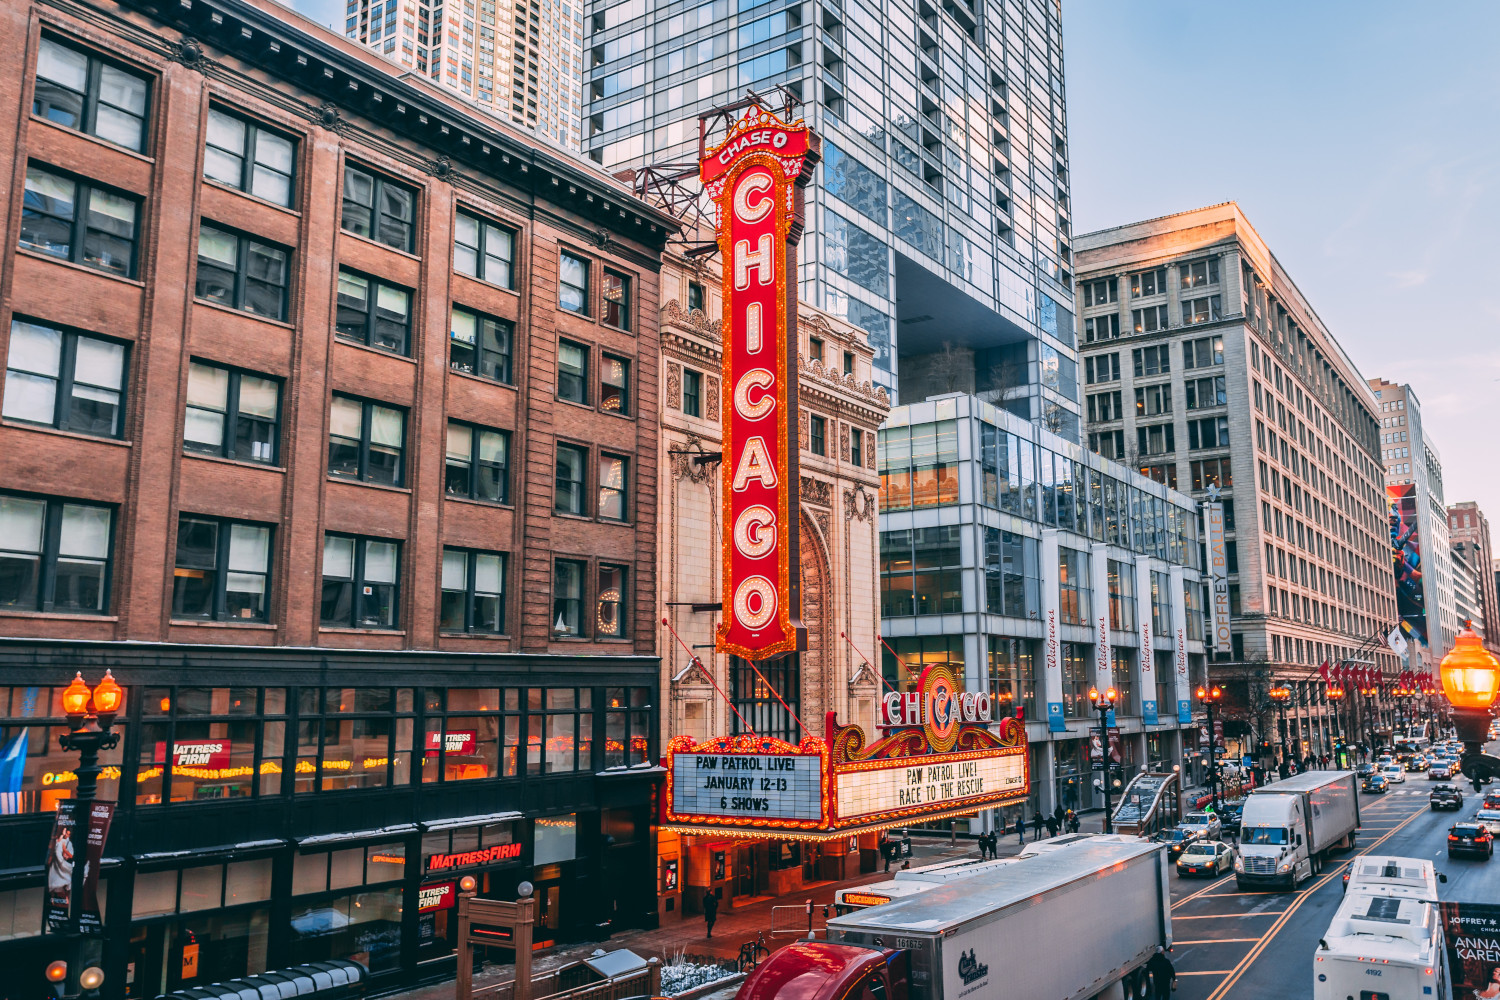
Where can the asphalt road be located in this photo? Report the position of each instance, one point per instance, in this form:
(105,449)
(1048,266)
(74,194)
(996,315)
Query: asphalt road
(1250,945)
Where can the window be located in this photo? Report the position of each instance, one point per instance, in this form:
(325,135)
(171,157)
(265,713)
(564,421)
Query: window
(609,615)
(1105,406)
(1101,368)
(1164,474)
(616,300)
(1150,319)
(627,726)
(480,345)
(695,296)
(557,741)
(613,479)
(1202,272)
(573,283)
(692,393)
(366,441)
(1152,400)
(1110,444)
(80,91)
(232,414)
(1212,472)
(373,313)
(856,446)
(815,349)
(848,362)
(572,372)
(54,555)
(1157,439)
(241,272)
(1149,283)
(59,378)
(1203,310)
(1121,586)
(249,157)
(614,385)
(1151,360)
(79,222)
(766,696)
(569,497)
(223,570)
(1075,595)
(1210,432)
(473,598)
(1102,328)
(817,432)
(1203,352)
(360,582)
(379,209)
(1205,392)
(567,597)
(478,463)
(1098,293)
(484,250)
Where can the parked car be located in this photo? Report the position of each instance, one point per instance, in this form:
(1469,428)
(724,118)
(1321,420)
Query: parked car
(1177,839)
(1205,857)
(1472,840)
(1205,824)
(1394,773)
(1446,797)
(1441,770)
(1374,783)
(1489,818)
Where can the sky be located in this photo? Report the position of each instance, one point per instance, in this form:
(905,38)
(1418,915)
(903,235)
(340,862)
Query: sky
(1361,139)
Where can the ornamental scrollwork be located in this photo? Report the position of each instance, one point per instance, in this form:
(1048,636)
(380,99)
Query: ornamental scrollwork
(859,504)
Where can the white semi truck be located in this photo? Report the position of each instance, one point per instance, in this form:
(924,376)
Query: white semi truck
(1288,828)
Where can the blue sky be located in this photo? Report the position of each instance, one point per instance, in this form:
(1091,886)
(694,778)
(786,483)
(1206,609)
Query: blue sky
(1362,139)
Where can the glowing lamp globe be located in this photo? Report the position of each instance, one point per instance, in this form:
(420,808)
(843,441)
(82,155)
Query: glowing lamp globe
(1471,674)
(108,695)
(75,697)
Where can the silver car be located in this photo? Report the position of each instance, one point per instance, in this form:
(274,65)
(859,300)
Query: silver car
(1206,824)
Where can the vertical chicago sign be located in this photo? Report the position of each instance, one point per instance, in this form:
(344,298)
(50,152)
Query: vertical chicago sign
(755,178)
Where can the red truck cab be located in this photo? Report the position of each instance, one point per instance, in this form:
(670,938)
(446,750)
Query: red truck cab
(824,970)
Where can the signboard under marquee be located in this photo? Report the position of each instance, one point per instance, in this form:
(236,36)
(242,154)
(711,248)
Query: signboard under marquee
(755,178)
(938,759)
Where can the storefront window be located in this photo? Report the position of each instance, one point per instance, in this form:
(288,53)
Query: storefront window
(364,927)
(207,743)
(21,913)
(356,738)
(559,731)
(627,726)
(555,838)
(466,743)
(46,774)
(1012,676)
(912,654)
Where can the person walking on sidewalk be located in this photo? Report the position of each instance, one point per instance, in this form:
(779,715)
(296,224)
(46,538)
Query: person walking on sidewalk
(1036,826)
(1073,822)
(710,910)
(1020,829)
(1052,826)
(1163,975)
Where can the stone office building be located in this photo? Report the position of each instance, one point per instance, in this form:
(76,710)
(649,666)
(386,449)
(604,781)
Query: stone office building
(1206,369)
(330,425)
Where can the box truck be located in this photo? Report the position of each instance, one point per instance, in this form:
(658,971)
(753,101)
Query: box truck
(1386,940)
(1077,922)
(1287,829)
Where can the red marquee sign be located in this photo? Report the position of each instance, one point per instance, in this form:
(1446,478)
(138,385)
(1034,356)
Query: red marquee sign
(755,178)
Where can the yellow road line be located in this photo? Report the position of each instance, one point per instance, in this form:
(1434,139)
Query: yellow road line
(1200,892)
(1215,941)
(1226,916)
(1255,952)
(1219,972)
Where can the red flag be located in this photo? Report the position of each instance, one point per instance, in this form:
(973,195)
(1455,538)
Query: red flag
(1323,669)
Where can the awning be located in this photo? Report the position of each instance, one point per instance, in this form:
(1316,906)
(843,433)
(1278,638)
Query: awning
(323,980)
(458,821)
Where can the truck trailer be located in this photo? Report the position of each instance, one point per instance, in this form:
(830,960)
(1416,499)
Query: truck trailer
(1049,927)
(1287,829)
(910,881)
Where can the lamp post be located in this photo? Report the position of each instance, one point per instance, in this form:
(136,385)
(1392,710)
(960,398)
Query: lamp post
(1471,679)
(1102,704)
(1335,694)
(1210,697)
(1280,695)
(91,717)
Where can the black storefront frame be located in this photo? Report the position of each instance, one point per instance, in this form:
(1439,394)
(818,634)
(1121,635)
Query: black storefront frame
(273,824)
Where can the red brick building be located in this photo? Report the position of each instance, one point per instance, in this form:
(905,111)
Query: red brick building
(330,410)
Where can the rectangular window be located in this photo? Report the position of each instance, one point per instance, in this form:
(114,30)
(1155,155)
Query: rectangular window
(856,446)
(1098,293)
(477,464)
(1164,474)
(613,487)
(1205,392)
(616,300)
(83,92)
(1075,594)
(63,379)
(241,272)
(1157,439)
(223,570)
(692,393)
(848,362)
(484,250)
(1104,406)
(570,498)
(567,597)
(609,613)
(1110,444)
(1210,432)
(360,582)
(573,283)
(695,296)
(379,209)
(817,431)
(1152,400)
(614,385)
(250,157)
(1151,360)
(1149,283)
(1212,472)
(572,372)
(373,313)
(366,441)
(1203,352)
(54,555)
(1202,272)
(231,414)
(473,598)
(1204,310)
(1121,585)
(815,349)
(1102,368)
(1102,328)
(1150,319)
(79,222)
(480,345)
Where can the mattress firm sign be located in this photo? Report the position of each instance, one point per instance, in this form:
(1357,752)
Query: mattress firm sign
(753,786)
(886,790)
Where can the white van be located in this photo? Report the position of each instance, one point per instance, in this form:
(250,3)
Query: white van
(1386,940)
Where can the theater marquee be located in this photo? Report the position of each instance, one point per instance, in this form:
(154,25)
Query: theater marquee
(755,178)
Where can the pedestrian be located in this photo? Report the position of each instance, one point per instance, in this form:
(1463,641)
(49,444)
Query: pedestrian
(993,843)
(1073,822)
(1163,975)
(1052,826)
(710,910)
(1020,831)
(1323,761)
(1059,814)
(887,848)
(1036,827)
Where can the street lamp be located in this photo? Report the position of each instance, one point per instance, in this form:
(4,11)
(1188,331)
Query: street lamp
(1281,694)
(1335,694)
(91,717)
(1211,697)
(1102,704)
(1471,679)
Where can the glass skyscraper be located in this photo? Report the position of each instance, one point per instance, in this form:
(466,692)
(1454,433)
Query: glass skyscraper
(940,220)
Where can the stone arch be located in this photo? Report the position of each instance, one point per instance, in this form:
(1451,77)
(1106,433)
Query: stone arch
(818,618)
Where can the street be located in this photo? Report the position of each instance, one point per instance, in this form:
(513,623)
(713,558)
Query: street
(1260,944)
